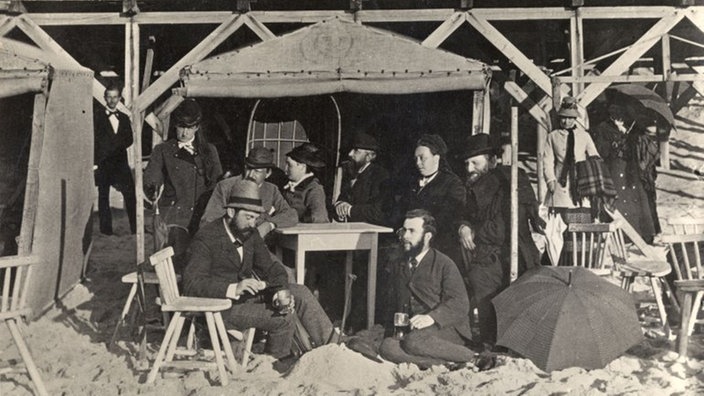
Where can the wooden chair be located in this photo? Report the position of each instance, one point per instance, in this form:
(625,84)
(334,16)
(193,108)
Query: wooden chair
(13,309)
(686,258)
(631,267)
(590,244)
(179,305)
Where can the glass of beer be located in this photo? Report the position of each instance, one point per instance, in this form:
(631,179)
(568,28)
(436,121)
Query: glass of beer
(402,325)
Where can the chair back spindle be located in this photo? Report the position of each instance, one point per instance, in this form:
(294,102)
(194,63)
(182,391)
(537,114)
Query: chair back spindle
(685,255)
(163,264)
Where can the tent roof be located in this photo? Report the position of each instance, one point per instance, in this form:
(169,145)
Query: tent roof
(335,55)
(20,72)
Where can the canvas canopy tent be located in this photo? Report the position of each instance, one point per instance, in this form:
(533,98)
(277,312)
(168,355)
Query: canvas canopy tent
(334,55)
(59,186)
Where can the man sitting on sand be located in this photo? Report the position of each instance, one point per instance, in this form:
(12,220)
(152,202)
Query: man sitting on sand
(428,287)
(228,259)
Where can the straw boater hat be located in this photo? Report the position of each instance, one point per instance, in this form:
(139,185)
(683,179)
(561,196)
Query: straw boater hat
(188,113)
(366,142)
(308,154)
(245,195)
(260,157)
(477,145)
(568,108)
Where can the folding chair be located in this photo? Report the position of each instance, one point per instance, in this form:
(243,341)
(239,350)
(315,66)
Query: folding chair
(179,305)
(686,258)
(14,283)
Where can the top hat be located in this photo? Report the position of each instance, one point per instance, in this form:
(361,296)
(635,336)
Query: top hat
(308,154)
(188,113)
(245,195)
(260,157)
(366,142)
(478,144)
(568,108)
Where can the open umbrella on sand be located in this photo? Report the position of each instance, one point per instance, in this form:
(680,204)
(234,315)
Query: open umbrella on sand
(561,317)
(554,239)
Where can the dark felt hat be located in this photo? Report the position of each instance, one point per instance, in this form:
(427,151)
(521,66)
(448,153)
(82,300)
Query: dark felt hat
(366,142)
(260,157)
(308,154)
(188,113)
(245,195)
(568,108)
(478,144)
(434,142)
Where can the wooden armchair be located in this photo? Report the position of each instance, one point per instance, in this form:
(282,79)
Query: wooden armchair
(686,258)
(173,302)
(13,284)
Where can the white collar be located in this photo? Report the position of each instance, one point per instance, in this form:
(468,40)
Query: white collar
(363,168)
(420,256)
(291,185)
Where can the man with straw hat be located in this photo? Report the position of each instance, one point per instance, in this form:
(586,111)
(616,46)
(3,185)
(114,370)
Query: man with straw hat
(228,259)
(485,232)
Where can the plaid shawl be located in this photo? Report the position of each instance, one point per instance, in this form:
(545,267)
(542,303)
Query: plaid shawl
(592,180)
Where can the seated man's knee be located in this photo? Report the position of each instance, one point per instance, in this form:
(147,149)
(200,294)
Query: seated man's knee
(389,348)
(416,342)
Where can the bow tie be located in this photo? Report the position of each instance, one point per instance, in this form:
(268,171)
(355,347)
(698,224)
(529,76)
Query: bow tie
(188,146)
(414,264)
(238,244)
(111,113)
(290,186)
(423,181)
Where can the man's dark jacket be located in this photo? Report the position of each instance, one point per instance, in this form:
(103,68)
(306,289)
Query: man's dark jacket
(488,212)
(437,285)
(213,262)
(370,196)
(110,146)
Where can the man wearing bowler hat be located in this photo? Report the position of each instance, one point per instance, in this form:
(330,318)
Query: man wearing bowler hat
(257,167)
(365,195)
(485,229)
(228,259)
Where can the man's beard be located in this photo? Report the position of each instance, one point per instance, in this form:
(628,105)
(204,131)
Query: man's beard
(242,235)
(475,176)
(414,250)
(356,166)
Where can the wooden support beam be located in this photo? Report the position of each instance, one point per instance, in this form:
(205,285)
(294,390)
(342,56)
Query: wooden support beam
(477,112)
(258,28)
(696,16)
(171,76)
(31,194)
(439,35)
(6,25)
(683,99)
(666,68)
(632,54)
(513,275)
(627,12)
(633,78)
(486,107)
(522,98)
(510,51)
(577,49)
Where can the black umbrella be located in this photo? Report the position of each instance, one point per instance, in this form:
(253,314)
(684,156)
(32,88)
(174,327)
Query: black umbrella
(641,96)
(561,317)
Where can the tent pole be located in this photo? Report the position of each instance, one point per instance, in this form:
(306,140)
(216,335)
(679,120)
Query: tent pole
(514,193)
(477,112)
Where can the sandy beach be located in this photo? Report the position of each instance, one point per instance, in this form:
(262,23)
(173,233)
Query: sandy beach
(69,341)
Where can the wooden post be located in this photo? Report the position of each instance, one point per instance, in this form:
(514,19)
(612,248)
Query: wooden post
(514,193)
(486,108)
(477,112)
(577,49)
(667,91)
(542,134)
(132,53)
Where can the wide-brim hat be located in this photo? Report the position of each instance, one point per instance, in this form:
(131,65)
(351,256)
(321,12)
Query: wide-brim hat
(363,141)
(244,194)
(188,113)
(308,154)
(568,108)
(478,144)
(260,157)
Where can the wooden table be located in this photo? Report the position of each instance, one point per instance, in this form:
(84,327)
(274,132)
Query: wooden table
(304,238)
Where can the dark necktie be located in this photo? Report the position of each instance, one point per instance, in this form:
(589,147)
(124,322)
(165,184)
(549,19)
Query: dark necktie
(414,264)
